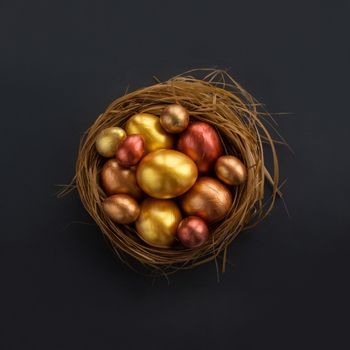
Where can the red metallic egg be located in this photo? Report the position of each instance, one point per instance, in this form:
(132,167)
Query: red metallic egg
(201,142)
(192,232)
(130,150)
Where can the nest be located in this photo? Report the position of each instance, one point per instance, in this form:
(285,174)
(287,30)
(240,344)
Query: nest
(213,97)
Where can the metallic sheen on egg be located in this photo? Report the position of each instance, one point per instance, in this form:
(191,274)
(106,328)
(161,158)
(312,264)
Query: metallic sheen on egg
(121,208)
(130,150)
(192,232)
(148,125)
(115,179)
(158,221)
(174,118)
(230,170)
(201,143)
(166,173)
(208,198)
(107,141)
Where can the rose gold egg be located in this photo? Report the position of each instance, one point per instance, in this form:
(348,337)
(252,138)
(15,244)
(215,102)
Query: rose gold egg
(208,198)
(174,119)
(116,179)
(192,232)
(130,150)
(121,208)
(230,170)
(201,142)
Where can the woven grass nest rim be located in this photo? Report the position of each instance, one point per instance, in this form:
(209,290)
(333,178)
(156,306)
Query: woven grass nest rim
(212,96)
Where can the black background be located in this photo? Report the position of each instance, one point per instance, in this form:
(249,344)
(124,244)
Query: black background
(61,64)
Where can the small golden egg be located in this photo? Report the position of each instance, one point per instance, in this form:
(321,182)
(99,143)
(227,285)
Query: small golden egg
(121,208)
(174,118)
(108,140)
(158,222)
(148,125)
(166,173)
(230,170)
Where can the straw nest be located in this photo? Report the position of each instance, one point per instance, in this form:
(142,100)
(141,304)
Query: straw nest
(211,96)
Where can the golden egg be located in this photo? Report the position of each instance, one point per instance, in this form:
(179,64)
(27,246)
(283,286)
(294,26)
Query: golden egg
(230,170)
(208,198)
(148,125)
(121,208)
(174,118)
(115,179)
(166,173)
(107,141)
(158,222)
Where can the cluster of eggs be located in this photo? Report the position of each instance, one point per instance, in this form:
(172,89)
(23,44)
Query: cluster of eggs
(159,171)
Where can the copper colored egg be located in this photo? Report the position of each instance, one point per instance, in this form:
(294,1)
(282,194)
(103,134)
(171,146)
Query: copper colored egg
(116,179)
(201,142)
(158,221)
(130,150)
(174,118)
(230,170)
(107,141)
(148,125)
(121,208)
(208,198)
(192,232)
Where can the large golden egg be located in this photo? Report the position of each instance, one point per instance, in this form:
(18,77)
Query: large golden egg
(148,125)
(158,222)
(208,198)
(166,173)
(108,140)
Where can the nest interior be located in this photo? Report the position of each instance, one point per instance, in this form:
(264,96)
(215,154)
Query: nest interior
(212,96)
